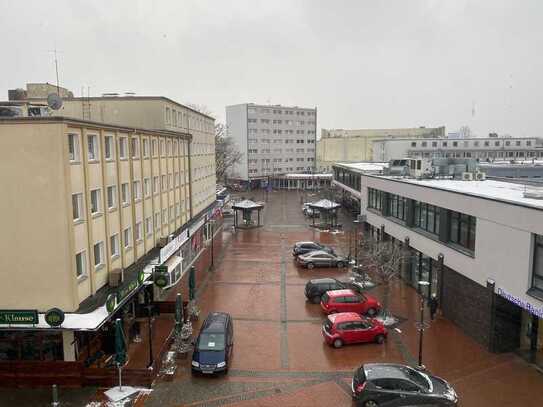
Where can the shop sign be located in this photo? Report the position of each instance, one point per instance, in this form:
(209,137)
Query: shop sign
(125,290)
(54,317)
(172,247)
(111,302)
(161,276)
(19,317)
(521,303)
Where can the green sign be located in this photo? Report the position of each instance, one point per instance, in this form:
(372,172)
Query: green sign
(161,276)
(54,317)
(123,292)
(110,303)
(19,317)
(141,277)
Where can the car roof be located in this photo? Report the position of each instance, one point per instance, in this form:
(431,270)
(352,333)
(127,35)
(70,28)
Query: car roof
(327,280)
(340,293)
(302,243)
(345,317)
(215,322)
(317,252)
(375,371)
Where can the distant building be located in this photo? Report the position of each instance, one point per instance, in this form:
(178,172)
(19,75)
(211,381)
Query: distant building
(339,145)
(38,91)
(489,148)
(273,139)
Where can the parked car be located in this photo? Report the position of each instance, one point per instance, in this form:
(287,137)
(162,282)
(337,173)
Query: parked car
(349,301)
(214,344)
(390,384)
(315,288)
(321,258)
(306,247)
(350,327)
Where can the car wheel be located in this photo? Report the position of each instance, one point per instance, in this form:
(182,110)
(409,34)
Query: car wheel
(310,266)
(380,338)
(371,403)
(340,265)
(316,299)
(338,343)
(371,312)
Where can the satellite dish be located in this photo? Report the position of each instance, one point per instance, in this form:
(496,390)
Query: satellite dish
(54,101)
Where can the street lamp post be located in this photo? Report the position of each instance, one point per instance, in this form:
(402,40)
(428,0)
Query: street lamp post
(149,308)
(421,325)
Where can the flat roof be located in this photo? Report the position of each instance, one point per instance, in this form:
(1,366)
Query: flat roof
(501,191)
(366,166)
(88,123)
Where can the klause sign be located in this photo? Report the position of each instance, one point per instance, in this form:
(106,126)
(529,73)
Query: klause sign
(126,289)
(19,317)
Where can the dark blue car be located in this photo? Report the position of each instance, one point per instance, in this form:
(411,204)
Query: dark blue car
(213,347)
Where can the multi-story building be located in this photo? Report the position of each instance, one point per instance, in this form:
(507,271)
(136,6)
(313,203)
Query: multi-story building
(86,209)
(273,139)
(488,148)
(355,145)
(478,244)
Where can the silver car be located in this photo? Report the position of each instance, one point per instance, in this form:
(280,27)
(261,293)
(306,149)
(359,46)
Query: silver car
(320,258)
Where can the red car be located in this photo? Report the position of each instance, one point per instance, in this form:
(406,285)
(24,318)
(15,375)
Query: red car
(349,327)
(349,301)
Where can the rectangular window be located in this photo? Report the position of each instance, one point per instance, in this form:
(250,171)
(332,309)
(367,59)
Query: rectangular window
(155,184)
(139,231)
(149,226)
(157,220)
(170,182)
(114,245)
(146,187)
(111,197)
(153,148)
(462,230)
(73,147)
(537,276)
(164,183)
(92,141)
(145,143)
(127,238)
(125,193)
(77,206)
(122,147)
(108,146)
(164,216)
(80,264)
(95,201)
(98,254)
(137,190)
(135,145)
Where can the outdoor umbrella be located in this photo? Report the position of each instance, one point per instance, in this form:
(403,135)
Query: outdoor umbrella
(178,313)
(192,283)
(120,347)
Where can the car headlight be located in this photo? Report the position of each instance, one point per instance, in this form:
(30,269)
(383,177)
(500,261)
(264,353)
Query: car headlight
(195,364)
(221,364)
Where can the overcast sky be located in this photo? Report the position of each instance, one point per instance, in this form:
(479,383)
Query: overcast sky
(363,64)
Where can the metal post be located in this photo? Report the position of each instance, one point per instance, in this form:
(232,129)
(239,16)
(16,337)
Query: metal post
(421,330)
(120,382)
(149,310)
(212,236)
(55,396)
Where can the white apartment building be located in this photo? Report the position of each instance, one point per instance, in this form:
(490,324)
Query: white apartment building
(484,149)
(273,139)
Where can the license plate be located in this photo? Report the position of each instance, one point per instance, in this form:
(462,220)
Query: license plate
(207,371)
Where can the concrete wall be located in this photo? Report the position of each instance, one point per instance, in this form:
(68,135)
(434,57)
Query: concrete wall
(36,251)
(236,125)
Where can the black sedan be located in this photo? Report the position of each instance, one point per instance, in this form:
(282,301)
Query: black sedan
(390,384)
(306,247)
(321,258)
(314,289)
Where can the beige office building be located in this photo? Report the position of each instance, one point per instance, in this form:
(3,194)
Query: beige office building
(355,145)
(81,199)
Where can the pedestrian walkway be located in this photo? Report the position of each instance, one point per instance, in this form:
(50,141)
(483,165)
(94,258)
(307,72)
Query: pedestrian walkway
(280,357)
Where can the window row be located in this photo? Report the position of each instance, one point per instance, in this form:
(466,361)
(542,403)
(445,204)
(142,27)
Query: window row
(265,110)
(473,143)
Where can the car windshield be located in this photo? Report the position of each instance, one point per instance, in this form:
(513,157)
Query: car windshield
(419,378)
(210,341)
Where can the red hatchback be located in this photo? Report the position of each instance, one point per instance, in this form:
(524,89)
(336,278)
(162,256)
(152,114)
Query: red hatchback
(349,327)
(349,301)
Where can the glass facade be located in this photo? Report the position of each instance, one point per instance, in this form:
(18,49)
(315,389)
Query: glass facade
(427,217)
(397,207)
(537,277)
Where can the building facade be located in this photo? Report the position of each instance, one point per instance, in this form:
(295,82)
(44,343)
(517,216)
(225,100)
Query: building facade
(273,139)
(90,205)
(355,145)
(478,244)
(489,148)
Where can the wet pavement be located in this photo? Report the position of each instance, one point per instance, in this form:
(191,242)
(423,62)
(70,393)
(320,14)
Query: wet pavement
(280,357)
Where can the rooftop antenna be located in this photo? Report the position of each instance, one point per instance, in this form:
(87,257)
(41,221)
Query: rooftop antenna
(56,70)
(54,101)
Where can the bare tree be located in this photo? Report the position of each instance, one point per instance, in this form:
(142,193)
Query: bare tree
(381,259)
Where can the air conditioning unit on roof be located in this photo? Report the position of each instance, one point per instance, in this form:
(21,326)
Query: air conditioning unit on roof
(467,176)
(480,176)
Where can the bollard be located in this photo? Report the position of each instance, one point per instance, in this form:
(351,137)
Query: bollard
(55,402)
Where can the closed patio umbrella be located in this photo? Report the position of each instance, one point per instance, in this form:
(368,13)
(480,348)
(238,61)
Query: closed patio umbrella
(120,348)
(192,283)
(178,313)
